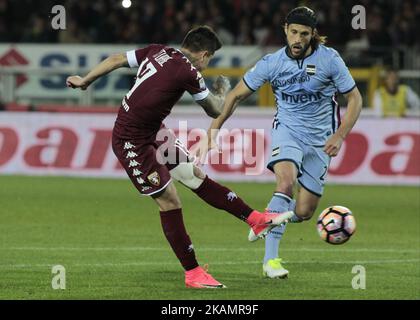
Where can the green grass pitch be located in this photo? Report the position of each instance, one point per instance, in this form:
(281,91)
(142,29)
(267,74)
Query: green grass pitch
(110,242)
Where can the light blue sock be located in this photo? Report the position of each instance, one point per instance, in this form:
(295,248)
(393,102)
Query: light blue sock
(294,218)
(279,203)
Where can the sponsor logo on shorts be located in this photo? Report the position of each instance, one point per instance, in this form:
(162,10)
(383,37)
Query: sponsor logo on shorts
(154,178)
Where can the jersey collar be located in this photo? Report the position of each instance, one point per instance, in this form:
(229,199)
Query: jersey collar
(299,61)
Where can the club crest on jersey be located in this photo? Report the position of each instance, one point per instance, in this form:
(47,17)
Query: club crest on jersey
(311,69)
(154,178)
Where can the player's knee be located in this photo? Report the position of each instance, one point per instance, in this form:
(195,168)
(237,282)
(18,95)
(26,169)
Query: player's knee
(305,212)
(168,199)
(199,173)
(285,186)
(172,204)
(188,174)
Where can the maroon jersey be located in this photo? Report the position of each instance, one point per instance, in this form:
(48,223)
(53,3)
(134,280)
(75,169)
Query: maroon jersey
(164,74)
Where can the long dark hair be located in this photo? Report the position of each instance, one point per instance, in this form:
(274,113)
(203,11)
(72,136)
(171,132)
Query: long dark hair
(317,39)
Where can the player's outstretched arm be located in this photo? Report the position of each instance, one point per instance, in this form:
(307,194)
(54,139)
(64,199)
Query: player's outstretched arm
(213,103)
(354,107)
(111,63)
(233,98)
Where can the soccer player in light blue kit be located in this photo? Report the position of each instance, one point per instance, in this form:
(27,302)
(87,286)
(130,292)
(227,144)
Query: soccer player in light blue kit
(305,77)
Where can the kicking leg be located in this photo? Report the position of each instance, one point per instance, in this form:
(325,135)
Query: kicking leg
(223,198)
(173,227)
(181,168)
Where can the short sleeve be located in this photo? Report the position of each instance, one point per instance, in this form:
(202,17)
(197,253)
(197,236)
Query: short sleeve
(193,82)
(258,75)
(134,56)
(340,74)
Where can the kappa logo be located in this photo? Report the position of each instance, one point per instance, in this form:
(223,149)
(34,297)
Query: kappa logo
(137,172)
(131,154)
(145,188)
(133,163)
(141,181)
(128,146)
(231,196)
(154,178)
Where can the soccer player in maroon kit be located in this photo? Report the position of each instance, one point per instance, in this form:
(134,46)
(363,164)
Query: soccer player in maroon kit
(152,155)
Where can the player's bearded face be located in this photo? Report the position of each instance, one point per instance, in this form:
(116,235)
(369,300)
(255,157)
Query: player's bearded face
(298,39)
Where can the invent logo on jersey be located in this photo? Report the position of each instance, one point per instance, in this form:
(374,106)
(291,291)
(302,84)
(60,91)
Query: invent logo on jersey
(301,98)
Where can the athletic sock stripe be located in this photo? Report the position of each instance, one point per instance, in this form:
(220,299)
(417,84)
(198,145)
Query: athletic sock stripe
(282,195)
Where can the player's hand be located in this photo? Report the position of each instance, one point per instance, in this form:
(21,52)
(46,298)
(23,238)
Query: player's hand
(201,149)
(333,145)
(222,85)
(76,82)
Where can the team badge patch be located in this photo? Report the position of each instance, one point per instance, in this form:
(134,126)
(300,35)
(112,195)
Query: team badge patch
(154,178)
(311,69)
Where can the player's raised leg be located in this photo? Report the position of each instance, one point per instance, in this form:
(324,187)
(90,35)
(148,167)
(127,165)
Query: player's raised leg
(182,169)
(223,198)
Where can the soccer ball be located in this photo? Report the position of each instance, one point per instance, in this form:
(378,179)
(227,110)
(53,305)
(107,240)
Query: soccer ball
(336,224)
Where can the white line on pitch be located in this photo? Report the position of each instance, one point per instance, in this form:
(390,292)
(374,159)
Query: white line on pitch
(341,250)
(152,263)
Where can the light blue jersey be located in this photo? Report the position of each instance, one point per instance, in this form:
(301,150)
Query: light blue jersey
(305,91)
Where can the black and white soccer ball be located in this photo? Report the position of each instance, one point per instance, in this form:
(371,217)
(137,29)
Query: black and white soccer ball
(336,224)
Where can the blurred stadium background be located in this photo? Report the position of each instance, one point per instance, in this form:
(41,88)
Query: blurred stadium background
(47,129)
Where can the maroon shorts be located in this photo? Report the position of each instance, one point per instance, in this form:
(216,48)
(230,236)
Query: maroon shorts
(148,164)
